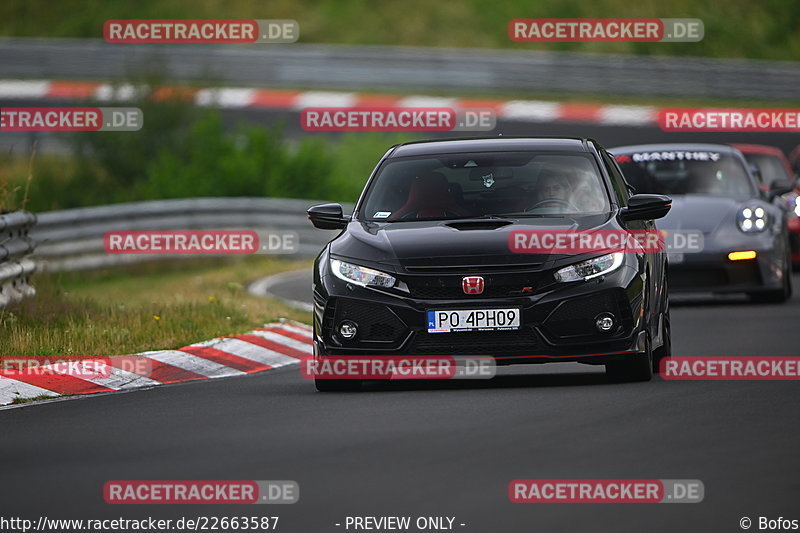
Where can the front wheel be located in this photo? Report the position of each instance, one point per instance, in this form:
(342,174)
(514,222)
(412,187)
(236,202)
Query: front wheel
(777,296)
(636,368)
(665,350)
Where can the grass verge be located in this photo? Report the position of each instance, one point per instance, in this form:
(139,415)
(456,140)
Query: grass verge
(41,397)
(737,28)
(143,307)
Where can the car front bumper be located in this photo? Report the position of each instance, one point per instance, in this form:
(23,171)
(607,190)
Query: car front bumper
(713,271)
(556,325)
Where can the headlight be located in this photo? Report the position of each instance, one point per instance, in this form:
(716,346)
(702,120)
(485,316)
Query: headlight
(591,268)
(752,219)
(792,203)
(360,275)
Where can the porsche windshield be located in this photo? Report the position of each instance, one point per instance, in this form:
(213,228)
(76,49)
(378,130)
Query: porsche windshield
(687,172)
(485,184)
(771,167)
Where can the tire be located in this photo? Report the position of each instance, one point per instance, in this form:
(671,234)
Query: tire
(665,350)
(338,385)
(777,296)
(636,368)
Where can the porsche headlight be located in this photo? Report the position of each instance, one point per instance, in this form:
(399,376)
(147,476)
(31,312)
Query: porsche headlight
(359,275)
(792,203)
(752,219)
(591,268)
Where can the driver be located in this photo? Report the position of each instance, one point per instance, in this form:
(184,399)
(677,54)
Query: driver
(553,184)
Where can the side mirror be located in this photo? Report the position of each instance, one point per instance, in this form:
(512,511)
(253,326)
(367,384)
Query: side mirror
(646,207)
(328,216)
(780,187)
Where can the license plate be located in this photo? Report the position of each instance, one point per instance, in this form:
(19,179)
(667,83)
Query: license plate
(458,320)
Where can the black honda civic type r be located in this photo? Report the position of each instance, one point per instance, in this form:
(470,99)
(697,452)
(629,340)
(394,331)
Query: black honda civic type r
(424,266)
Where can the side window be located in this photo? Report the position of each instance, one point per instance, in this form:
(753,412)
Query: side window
(617,179)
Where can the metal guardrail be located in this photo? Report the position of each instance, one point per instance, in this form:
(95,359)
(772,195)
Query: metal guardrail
(72,239)
(15,265)
(409,68)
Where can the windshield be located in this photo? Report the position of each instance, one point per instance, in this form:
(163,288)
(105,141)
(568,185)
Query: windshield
(485,184)
(687,172)
(771,167)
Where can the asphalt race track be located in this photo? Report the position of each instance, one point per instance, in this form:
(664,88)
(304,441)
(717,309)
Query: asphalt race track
(438,449)
(442,449)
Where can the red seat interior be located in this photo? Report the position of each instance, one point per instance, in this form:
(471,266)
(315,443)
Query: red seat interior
(430,197)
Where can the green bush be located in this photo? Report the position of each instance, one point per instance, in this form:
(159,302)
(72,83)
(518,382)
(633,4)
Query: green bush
(182,152)
(255,161)
(213,163)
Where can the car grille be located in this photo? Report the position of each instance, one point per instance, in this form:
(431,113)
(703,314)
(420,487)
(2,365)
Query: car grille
(376,323)
(448,287)
(575,318)
(452,293)
(524,341)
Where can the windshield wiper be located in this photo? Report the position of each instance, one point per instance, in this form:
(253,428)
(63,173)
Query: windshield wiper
(507,218)
(475,217)
(540,215)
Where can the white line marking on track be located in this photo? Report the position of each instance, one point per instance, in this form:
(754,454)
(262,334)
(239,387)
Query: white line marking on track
(192,363)
(250,351)
(294,329)
(286,341)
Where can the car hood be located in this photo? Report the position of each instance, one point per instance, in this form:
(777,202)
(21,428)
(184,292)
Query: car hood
(699,212)
(452,243)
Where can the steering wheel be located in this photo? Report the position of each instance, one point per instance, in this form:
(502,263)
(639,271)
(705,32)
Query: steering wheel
(556,201)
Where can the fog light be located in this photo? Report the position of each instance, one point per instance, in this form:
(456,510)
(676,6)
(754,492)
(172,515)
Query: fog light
(348,329)
(604,322)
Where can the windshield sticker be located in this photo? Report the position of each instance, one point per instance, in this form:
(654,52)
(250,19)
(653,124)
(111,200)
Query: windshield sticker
(470,163)
(676,156)
(381,214)
(488,180)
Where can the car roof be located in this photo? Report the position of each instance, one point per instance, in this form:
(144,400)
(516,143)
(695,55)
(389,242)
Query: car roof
(671,147)
(493,144)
